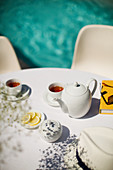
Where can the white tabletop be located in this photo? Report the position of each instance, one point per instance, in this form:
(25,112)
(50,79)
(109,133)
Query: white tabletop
(22,148)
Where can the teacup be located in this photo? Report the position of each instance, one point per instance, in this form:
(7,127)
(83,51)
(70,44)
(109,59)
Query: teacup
(55,90)
(13,86)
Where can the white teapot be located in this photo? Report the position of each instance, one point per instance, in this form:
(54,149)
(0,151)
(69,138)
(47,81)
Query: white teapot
(76,98)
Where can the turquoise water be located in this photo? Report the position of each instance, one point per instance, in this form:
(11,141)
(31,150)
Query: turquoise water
(43,32)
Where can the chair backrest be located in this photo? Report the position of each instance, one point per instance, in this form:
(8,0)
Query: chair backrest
(94,50)
(8,58)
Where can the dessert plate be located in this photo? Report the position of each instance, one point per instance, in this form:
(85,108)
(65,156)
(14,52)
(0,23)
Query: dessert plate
(27,126)
(23,95)
(49,100)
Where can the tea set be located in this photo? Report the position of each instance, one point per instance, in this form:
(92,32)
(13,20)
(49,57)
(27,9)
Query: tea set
(74,99)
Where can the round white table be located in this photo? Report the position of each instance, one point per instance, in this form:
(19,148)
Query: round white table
(22,148)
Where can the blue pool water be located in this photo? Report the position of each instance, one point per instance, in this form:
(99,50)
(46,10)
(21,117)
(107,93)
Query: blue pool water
(43,32)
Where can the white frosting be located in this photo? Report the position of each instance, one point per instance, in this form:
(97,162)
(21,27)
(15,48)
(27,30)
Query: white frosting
(51,130)
(95,148)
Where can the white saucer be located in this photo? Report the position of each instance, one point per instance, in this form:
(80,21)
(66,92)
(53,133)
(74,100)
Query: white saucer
(23,95)
(36,126)
(50,100)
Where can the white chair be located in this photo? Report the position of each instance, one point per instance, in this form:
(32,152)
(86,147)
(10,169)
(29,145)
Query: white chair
(94,50)
(8,58)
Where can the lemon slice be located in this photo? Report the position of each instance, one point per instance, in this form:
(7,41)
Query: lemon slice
(26,118)
(34,121)
(32,114)
(38,114)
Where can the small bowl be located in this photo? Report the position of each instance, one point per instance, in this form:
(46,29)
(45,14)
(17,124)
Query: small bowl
(51,130)
(34,111)
(13,87)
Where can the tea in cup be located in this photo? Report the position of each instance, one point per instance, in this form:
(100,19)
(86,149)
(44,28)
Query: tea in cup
(13,86)
(55,90)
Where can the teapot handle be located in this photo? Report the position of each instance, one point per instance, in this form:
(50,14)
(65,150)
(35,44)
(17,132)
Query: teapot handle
(95,85)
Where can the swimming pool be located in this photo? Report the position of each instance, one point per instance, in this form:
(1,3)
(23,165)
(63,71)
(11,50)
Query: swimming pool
(43,32)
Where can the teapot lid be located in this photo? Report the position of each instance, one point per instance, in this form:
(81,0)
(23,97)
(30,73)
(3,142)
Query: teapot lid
(76,89)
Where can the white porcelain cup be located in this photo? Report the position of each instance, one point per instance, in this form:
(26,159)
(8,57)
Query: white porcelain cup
(55,90)
(13,86)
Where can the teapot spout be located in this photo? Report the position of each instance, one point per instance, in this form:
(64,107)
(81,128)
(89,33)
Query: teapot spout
(62,105)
